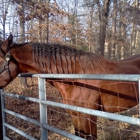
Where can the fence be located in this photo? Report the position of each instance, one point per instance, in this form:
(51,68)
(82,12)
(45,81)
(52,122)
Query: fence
(43,104)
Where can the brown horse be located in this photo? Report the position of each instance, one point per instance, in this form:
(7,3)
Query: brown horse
(110,96)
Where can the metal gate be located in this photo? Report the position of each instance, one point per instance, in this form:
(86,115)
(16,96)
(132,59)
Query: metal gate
(43,104)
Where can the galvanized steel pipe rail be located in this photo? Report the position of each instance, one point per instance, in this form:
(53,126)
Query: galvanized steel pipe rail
(116,77)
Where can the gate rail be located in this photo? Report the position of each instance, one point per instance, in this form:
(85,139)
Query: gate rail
(43,104)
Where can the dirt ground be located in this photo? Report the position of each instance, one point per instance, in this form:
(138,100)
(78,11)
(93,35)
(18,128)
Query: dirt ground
(107,129)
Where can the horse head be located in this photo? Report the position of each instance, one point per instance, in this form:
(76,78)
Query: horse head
(8,69)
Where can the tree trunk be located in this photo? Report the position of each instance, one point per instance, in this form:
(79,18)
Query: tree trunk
(73,21)
(106,50)
(103,16)
(76,22)
(90,25)
(113,41)
(40,28)
(133,33)
(122,25)
(23,80)
(40,31)
(47,21)
(4,10)
(137,42)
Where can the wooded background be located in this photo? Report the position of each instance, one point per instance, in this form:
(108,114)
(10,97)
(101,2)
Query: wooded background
(107,27)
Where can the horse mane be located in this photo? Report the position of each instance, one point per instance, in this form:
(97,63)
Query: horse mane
(14,45)
(42,51)
(44,54)
(51,56)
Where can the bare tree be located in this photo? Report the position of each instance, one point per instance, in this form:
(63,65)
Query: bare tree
(134,30)
(47,20)
(103,17)
(22,21)
(113,41)
(4,11)
(21,10)
(90,28)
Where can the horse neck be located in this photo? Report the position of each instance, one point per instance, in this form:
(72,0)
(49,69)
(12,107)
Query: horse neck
(40,58)
(22,56)
(135,59)
(137,62)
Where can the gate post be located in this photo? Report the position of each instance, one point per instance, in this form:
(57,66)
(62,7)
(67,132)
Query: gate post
(43,107)
(1,123)
(139,95)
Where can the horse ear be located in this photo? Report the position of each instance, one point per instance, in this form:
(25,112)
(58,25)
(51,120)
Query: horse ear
(7,43)
(10,40)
